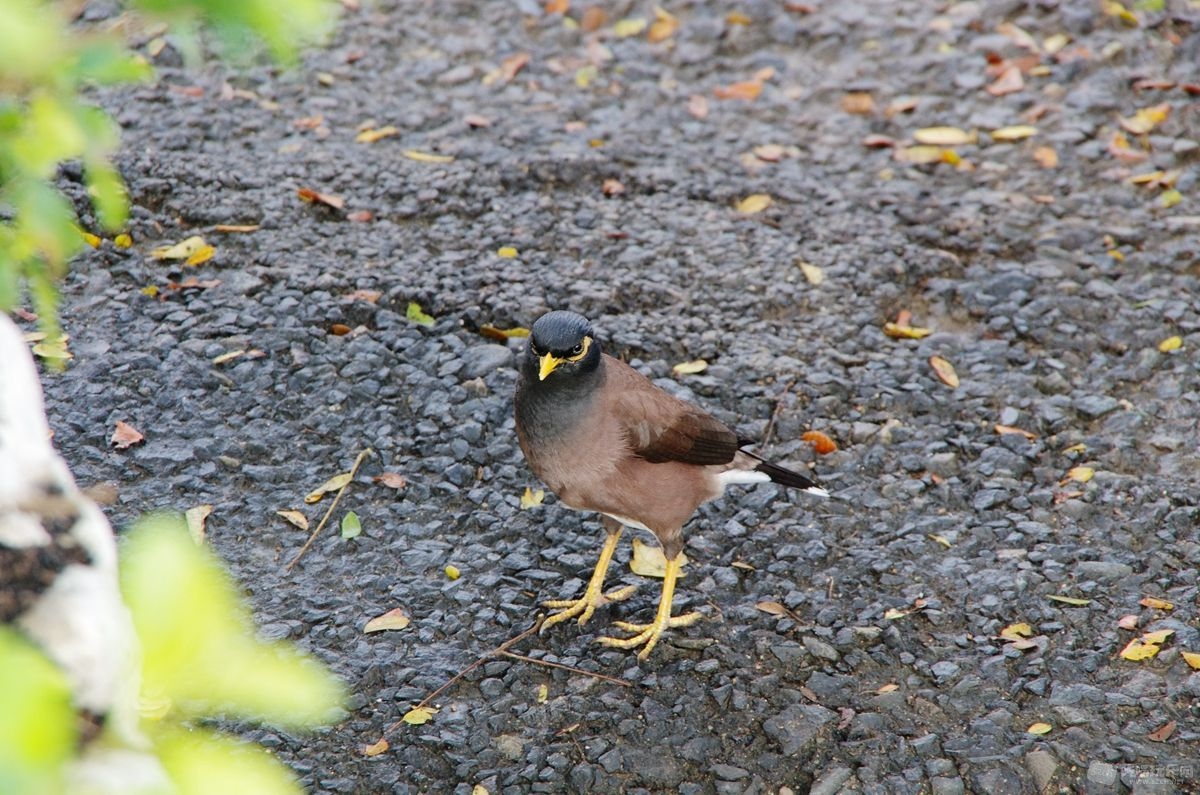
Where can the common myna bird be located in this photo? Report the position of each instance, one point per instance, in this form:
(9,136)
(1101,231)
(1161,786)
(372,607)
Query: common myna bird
(605,439)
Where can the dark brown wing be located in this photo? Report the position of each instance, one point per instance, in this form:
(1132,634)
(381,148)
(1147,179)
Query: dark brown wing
(659,427)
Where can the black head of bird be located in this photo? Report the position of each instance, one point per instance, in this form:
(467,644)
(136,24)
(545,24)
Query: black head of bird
(562,342)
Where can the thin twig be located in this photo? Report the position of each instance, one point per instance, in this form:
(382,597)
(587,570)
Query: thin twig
(498,651)
(766,440)
(313,537)
(571,668)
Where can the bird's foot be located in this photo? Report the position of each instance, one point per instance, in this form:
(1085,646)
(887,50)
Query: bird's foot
(585,605)
(647,635)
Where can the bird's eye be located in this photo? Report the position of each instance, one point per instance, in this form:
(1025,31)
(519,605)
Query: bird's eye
(578,349)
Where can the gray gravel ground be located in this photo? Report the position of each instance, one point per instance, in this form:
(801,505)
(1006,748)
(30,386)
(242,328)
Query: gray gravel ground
(1008,263)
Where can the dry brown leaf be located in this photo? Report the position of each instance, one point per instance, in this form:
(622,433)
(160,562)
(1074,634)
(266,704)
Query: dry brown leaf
(663,27)
(395,618)
(236,228)
(1145,119)
(315,197)
(858,103)
(821,443)
(698,106)
(612,187)
(1120,148)
(335,483)
(774,609)
(228,356)
(945,371)
(1010,81)
(294,518)
(594,18)
(1046,157)
(513,64)
(339,329)
(1162,733)
(476,120)
(878,141)
(1128,622)
(392,480)
(557,6)
(503,334)
(747,90)
(888,688)
(898,106)
(769,153)
(1003,429)
(195,517)
(125,436)
(376,748)
(363,294)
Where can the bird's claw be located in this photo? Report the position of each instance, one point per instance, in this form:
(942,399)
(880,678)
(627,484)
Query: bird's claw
(584,606)
(647,635)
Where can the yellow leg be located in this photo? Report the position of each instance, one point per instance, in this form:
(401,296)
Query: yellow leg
(592,597)
(646,635)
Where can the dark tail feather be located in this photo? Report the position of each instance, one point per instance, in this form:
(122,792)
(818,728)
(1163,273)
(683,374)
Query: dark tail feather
(786,477)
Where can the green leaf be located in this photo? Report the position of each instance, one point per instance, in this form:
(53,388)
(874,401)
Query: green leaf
(199,650)
(107,61)
(417,315)
(108,194)
(351,527)
(201,761)
(37,723)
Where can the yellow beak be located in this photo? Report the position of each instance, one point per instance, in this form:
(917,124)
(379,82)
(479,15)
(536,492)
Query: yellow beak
(549,363)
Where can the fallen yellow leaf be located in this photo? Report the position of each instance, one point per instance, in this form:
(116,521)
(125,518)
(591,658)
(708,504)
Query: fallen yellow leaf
(630,26)
(663,27)
(943,136)
(905,332)
(1170,344)
(181,250)
(945,371)
(1146,119)
(1080,474)
(506,252)
(418,715)
(1156,603)
(812,273)
(294,518)
(649,560)
(376,748)
(452,572)
(427,157)
(1040,728)
(690,368)
(1192,659)
(392,619)
(531,498)
(1017,132)
(1016,631)
(754,203)
(370,136)
(335,483)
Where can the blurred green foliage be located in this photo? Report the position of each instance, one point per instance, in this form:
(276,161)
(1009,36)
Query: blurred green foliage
(46,65)
(37,722)
(200,660)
